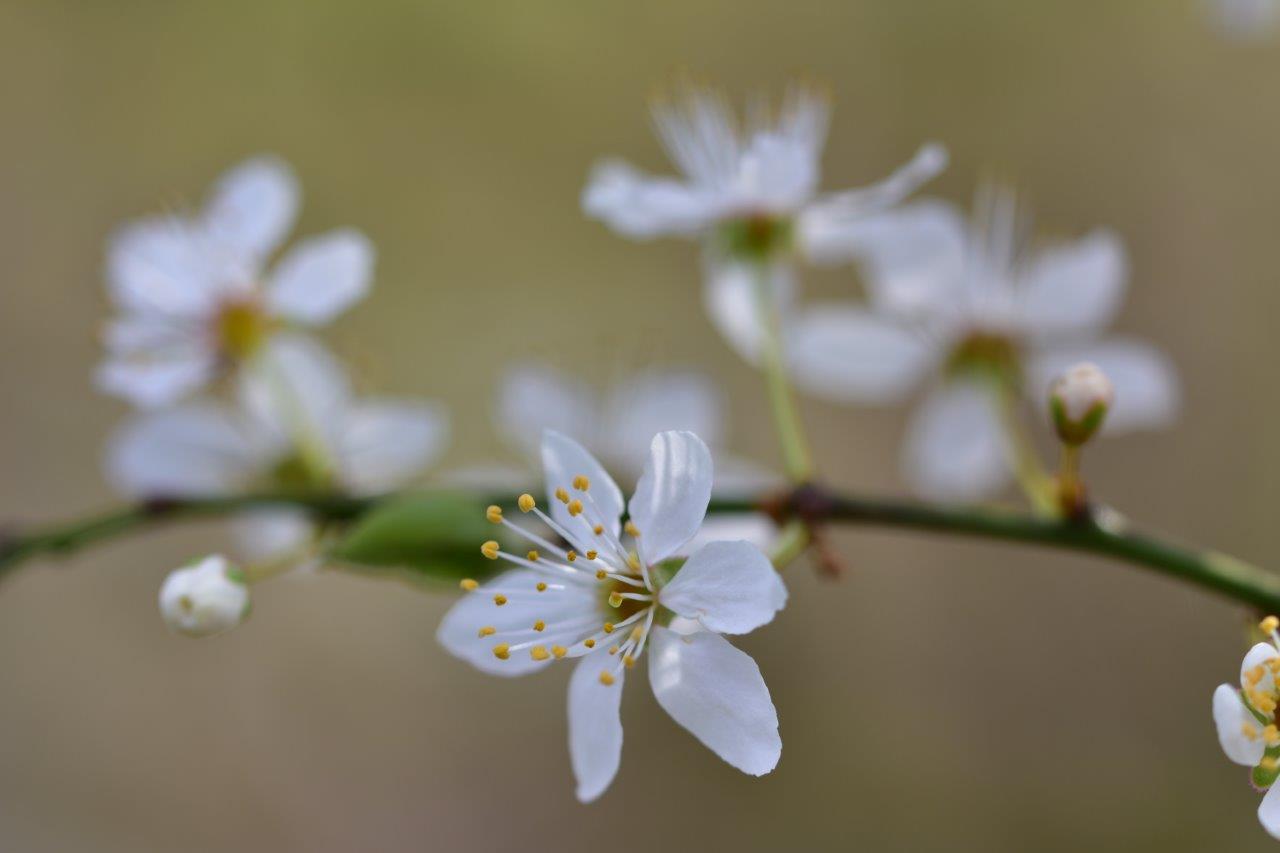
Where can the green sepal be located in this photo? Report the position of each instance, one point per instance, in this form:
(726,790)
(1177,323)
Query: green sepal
(429,537)
(1265,778)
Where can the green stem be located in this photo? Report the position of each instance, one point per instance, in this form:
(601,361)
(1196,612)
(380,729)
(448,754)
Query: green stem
(1035,482)
(1107,536)
(786,418)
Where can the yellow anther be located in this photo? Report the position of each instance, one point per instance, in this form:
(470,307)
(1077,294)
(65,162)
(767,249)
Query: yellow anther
(1269,764)
(1261,701)
(1254,675)
(499,599)
(494,514)
(562,495)
(539,625)
(613,650)
(490,549)
(601,574)
(608,627)
(589,643)
(1249,730)
(633,561)
(581,483)
(1271,735)
(598,529)
(559,651)
(539,653)
(591,555)
(615,599)
(631,529)
(487,631)
(575,507)
(542,586)
(502,651)
(532,556)
(571,556)
(468,584)
(637,632)
(1274,666)
(628,661)
(606,678)
(526,502)
(1269,625)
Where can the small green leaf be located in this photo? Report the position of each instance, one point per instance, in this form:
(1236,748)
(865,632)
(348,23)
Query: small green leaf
(431,537)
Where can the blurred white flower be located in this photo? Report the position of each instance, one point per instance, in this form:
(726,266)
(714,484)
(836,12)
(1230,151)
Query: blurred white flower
(1243,20)
(205,598)
(605,601)
(1246,722)
(297,426)
(1079,400)
(193,291)
(962,307)
(750,193)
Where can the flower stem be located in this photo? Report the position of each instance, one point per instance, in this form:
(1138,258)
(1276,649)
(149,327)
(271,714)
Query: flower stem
(1101,533)
(1035,482)
(786,418)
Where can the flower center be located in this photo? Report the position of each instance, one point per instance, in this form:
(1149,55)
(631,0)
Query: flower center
(987,354)
(241,328)
(757,237)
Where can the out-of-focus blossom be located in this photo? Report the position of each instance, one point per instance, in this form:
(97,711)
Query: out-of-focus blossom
(296,427)
(194,294)
(1246,722)
(1243,20)
(205,598)
(964,310)
(608,599)
(749,192)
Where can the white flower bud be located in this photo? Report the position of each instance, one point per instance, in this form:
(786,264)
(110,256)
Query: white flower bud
(1079,400)
(205,598)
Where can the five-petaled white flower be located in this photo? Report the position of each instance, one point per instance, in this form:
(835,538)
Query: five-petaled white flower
(1246,721)
(297,427)
(194,295)
(964,304)
(751,194)
(605,601)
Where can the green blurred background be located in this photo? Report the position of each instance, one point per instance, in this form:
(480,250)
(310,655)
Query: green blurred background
(943,696)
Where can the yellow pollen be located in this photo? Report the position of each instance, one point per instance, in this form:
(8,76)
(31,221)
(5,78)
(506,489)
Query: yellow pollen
(591,555)
(1269,624)
(608,627)
(581,483)
(575,507)
(539,653)
(589,643)
(613,650)
(598,529)
(1274,665)
(601,574)
(637,632)
(633,561)
(631,529)
(532,556)
(1254,675)
(615,599)
(502,651)
(1249,730)
(1271,734)
(1268,764)
(539,625)
(571,556)
(562,496)
(494,514)
(468,584)
(499,599)
(559,651)
(542,586)
(490,549)
(487,631)
(606,678)
(1261,701)
(526,502)
(628,661)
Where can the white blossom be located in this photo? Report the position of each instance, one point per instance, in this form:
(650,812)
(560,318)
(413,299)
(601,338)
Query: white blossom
(194,293)
(205,598)
(1246,721)
(610,595)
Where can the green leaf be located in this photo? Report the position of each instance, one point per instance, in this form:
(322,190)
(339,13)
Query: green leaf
(430,537)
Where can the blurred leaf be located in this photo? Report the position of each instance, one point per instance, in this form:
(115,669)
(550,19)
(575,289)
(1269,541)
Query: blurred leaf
(431,537)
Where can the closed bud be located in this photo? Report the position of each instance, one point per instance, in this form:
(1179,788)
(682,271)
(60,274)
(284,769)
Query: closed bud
(1078,401)
(205,598)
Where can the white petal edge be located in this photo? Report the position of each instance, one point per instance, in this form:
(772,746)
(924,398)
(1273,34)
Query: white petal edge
(671,497)
(563,459)
(321,277)
(253,205)
(1147,391)
(716,692)
(729,295)
(644,404)
(151,382)
(1074,289)
(642,207)
(595,723)
(535,398)
(387,443)
(1231,716)
(955,447)
(196,449)
(730,587)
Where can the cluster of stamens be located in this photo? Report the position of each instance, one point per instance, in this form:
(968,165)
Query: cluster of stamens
(1264,696)
(622,581)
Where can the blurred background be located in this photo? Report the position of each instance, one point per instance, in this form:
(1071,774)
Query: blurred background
(944,695)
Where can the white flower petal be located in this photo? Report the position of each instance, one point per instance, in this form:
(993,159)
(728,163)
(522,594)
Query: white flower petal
(754,528)
(1259,655)
(385,444)
(639,206)
(253,205)
(955,447)
(1074,289)
(197,449)
(533,399)
(1269,812)
(459,631)
(272,534)
(645,404)
(595,723)
(150,382)
(321,277)
(671,498)
(168,268)
(729,294)
(730,587)
(716,692)
(562,460)
(842,353)
(1233,720)
(1147,392)
(298,390)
